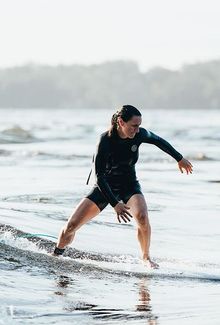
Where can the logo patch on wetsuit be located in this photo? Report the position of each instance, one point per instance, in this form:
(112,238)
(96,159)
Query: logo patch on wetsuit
(134,148)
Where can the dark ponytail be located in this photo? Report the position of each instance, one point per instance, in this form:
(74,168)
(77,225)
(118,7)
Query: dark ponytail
(126,113)
(114,124)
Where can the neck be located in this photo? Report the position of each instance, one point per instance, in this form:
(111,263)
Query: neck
(121,134)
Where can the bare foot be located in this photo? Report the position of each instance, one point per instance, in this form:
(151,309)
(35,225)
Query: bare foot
(149,263)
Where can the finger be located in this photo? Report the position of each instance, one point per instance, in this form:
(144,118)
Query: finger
(180,168)
(127,217)
(123,218)
(126,212)
(126,207)
(190,165)
(130,215)
(188,162)
(118,216)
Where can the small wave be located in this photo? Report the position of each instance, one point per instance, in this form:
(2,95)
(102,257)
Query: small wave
(17,238)
(41,154)
(200,157)
(16,134)
(60,199)
(69,265)
(215,137)
(99,314)
(29,198)
(33,251)
(5,153)
(7,315)
(149,159)
(110,224)
(49,155)
(166,159)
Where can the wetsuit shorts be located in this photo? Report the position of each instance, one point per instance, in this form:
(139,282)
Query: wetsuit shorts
(123,193)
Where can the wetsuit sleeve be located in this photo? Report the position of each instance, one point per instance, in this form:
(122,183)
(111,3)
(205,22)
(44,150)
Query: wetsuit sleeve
(101,156)
(150,137)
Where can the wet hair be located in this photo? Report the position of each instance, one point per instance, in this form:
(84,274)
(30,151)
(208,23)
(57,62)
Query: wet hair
(126,113)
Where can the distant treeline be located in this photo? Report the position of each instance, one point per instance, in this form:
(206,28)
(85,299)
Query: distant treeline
(109,85)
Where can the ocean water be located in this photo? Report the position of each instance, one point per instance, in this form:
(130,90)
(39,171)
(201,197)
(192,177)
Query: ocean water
(45,159)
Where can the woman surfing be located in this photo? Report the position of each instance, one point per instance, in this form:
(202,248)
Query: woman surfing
(116,182)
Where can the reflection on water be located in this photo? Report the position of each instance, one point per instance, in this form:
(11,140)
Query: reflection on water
(144,304)
(62,283)
(143,309)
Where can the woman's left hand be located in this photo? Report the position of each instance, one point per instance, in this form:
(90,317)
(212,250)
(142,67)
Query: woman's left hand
(185,164)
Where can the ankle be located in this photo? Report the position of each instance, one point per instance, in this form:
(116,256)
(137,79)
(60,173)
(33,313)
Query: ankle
(146,257)
(58,251)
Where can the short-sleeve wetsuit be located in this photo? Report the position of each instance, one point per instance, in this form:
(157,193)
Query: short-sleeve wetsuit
(115,161)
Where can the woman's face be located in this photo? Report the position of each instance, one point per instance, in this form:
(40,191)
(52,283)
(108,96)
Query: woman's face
(130,128)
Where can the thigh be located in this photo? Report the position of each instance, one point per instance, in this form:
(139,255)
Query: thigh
(85,211)
(129,190)
(138,208)
(96,196)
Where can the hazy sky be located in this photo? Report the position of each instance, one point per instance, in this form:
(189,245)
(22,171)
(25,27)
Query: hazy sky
(168,33)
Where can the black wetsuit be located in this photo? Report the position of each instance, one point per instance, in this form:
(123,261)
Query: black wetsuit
(115,161)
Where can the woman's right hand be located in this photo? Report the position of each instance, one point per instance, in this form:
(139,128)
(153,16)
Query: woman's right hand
(122,212)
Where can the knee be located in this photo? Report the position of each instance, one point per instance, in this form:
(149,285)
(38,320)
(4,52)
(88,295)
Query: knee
(143,221)
(70,227)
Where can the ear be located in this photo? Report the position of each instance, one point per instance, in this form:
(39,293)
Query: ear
(120,121)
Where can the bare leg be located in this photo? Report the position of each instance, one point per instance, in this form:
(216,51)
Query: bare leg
(138,209)
(85,211)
